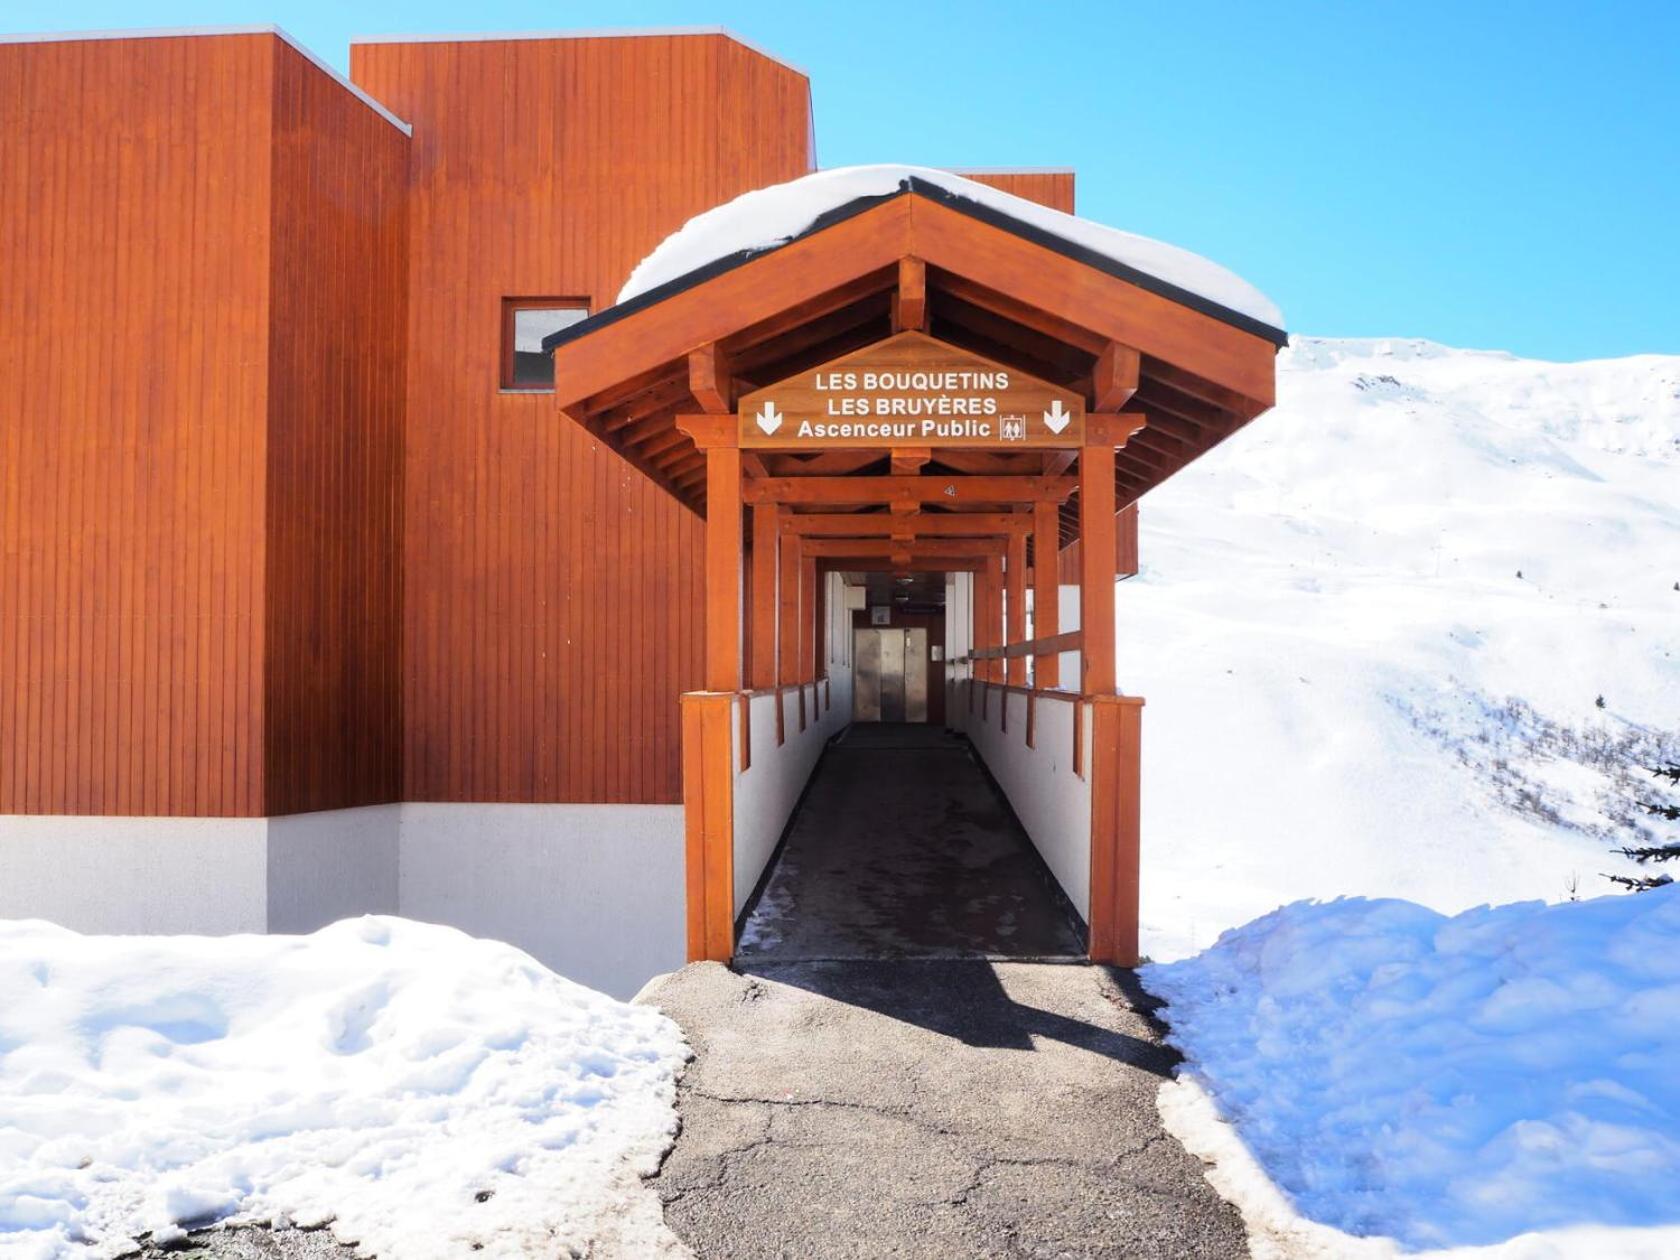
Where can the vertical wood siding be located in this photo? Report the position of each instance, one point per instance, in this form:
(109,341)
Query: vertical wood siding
(134,255)
(552,595)
(1048,188)
(201,393)
(335,412)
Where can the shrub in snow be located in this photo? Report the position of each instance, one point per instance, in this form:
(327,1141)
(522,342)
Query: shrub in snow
(1642,850)
(430,1094)
(1447,1081)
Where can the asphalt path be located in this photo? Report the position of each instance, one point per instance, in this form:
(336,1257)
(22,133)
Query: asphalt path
(937,1108)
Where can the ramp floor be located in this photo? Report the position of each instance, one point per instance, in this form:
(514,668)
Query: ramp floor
(903,849)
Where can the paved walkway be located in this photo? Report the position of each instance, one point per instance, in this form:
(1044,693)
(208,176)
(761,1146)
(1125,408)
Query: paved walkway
(945,1109)
(903,849)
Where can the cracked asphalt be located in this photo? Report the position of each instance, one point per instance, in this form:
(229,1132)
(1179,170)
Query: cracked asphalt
(939,1108)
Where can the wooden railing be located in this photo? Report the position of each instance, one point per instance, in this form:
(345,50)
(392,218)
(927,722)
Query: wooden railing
(1072,641)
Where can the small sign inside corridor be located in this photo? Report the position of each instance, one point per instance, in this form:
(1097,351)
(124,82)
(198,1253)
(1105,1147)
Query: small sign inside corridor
(911,390)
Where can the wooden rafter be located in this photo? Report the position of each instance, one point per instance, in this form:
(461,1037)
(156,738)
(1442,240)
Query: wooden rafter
(1114,377)
(909,309)
(708,378)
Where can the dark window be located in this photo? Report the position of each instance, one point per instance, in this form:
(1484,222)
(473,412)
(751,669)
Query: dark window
(525,322)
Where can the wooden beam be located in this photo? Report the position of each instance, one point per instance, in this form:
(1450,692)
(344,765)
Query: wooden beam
(908,460)
(1058,462)
(883,524)
(767,541)
(1016,580)
(710,430)
(723,569)
(909,310)
(957,489)
(1047,666)
(1112,429)
(923,548)
(1096,568)
(1114,377)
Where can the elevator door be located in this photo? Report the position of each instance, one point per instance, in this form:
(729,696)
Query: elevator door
(889,682)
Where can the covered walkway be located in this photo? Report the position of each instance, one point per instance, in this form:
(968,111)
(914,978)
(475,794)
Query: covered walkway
(896,371)
(902,848)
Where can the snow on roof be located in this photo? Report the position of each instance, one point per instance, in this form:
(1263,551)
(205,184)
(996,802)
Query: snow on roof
(762,219)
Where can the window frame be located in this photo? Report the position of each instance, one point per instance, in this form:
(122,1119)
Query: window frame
(511,306)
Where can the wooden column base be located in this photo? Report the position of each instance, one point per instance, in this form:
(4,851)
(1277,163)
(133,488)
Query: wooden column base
(708,776)
(1116,777)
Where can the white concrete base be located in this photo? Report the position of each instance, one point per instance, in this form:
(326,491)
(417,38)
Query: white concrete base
(122,875)
(593,891)
(332,865)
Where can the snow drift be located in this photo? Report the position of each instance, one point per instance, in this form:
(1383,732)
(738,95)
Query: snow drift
(429,1094)
(1450,1082)
(767,217)
(1373,628)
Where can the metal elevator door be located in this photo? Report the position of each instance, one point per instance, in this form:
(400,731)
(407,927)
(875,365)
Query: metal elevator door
(889,681)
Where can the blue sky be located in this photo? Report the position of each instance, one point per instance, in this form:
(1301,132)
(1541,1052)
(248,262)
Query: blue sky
(1492,173)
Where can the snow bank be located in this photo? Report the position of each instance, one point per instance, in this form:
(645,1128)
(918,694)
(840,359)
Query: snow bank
(1445,1082)
(767,217)
(1351,689)
(430,1094)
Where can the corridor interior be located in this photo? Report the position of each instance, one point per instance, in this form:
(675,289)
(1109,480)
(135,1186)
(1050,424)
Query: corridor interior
(903,848)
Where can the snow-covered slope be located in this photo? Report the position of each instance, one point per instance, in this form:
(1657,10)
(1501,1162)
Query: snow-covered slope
(1350,687)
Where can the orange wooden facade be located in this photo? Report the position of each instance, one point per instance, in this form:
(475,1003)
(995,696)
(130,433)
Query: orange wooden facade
(202,245)
(274,538)
(551,593)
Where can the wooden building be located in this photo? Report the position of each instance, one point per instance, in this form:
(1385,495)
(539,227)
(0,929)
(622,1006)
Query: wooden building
(359,546)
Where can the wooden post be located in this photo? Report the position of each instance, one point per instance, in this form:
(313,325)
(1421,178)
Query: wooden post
(1047,669)
(709,823)
(807,618)
(1096,567)
(723,569)
(1016,575)
(766,534)
(992,611)
(1116,778)
(787,667)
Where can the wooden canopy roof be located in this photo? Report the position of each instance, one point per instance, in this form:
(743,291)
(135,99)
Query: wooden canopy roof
(921,258)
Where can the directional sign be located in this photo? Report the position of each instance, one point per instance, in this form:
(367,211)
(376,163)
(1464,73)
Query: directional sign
(908,391)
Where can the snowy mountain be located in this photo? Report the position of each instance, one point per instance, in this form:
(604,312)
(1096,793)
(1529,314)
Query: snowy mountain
(1374,627)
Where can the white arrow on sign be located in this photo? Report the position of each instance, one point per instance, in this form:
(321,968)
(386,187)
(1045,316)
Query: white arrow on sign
(1058,417)
(769,419)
